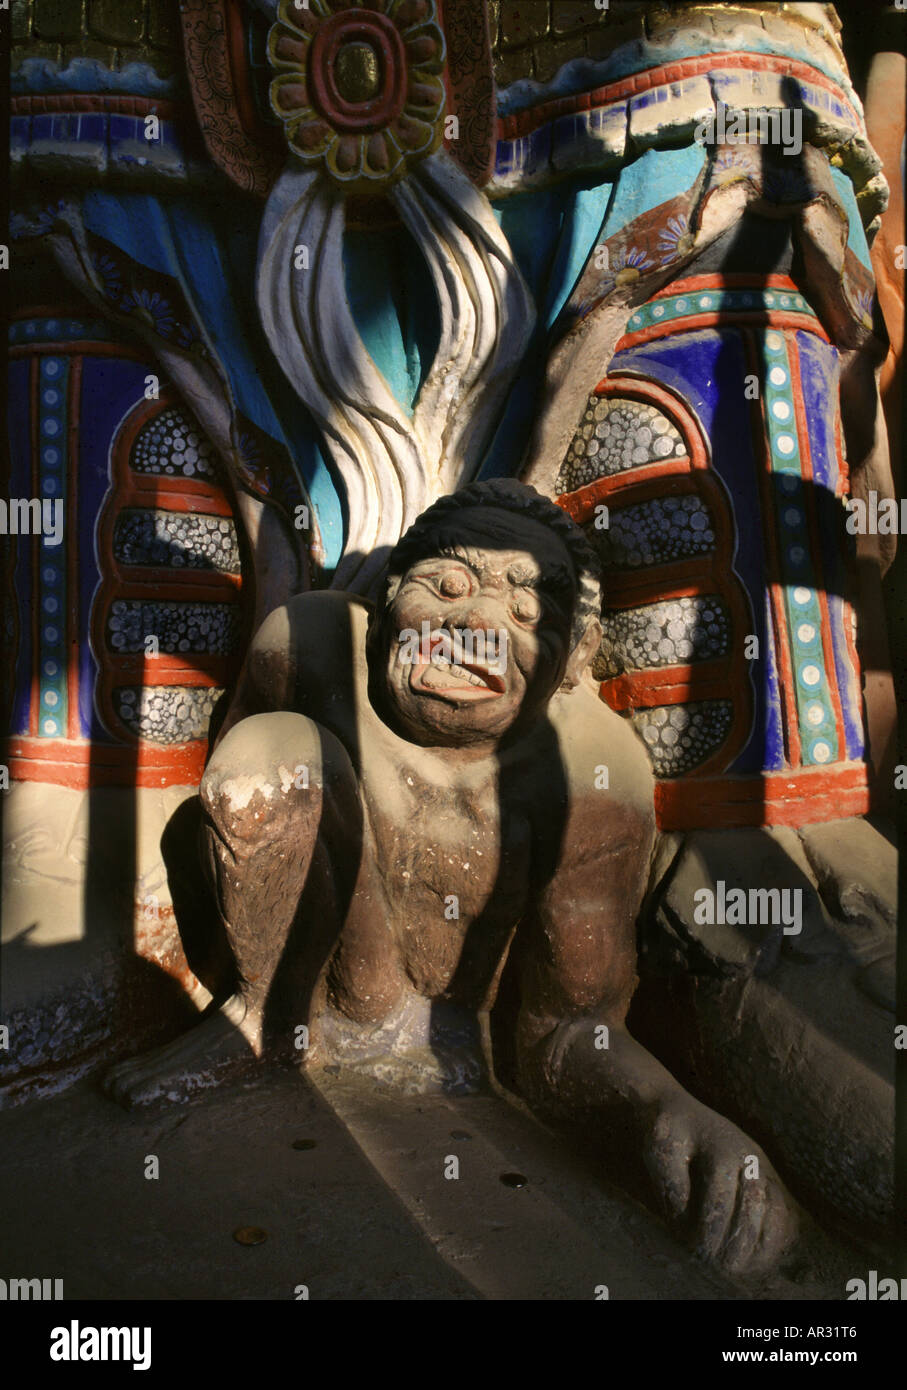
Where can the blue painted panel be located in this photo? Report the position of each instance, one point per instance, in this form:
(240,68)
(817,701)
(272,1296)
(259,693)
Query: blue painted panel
(819,380)
(110,389)
(91,75)
(57,485)
(848,686)
(133,221)
(214,267)
(768,703)
(707,370)
(92,125)
(552,233)
(856,236)
(654,178)
(393,304)
(212,264)
(19,133)
(581,231)
(819,377)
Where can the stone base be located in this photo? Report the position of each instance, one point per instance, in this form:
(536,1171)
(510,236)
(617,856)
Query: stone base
(93,963)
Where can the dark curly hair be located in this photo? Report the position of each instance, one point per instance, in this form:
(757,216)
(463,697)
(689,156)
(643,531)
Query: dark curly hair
(505,495)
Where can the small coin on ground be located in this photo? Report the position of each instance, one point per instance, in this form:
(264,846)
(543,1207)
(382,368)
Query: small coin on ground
(249,1235)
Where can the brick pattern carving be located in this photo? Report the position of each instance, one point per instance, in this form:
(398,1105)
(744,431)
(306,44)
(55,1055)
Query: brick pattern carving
(535,38)
(116,32)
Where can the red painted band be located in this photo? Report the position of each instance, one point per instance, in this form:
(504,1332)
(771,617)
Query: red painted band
(725,318)
(82,765)
(524,122)
(73,103)
(153,581)
(808,797)
(669,685)
(695,578)
(200,670)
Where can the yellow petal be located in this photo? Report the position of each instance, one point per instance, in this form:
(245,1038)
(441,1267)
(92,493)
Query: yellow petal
(344,158)
(425,48)
(289,95)
(287,49)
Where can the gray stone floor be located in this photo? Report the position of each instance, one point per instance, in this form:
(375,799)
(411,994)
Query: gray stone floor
(366,1213)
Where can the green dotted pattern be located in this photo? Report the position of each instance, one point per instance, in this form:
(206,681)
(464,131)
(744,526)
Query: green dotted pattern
(53,392)
(681,306)
(810,662)
(25,331)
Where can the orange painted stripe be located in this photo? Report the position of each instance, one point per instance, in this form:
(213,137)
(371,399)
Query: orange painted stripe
(727,280)
(192,584)
(743,318)
(696,578)
(81,765)
(627,488)
(669,685)
(72,103)
(201,669)
(176,495)
(172,495)
(711,573)
(808,797)
(645,482)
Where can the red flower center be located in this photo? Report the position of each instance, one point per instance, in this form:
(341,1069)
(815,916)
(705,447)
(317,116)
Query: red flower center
(343,84)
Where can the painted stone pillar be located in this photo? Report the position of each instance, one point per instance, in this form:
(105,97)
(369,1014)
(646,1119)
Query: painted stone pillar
(127,624)
(710,403)
(172,517)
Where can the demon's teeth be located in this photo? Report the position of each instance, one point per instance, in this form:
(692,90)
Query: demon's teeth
(457,670)
(467,675)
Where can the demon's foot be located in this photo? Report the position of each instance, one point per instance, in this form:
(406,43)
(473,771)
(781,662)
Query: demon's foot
(192,1062)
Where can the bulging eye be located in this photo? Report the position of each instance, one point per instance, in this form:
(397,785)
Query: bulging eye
(454,584)
(526,607)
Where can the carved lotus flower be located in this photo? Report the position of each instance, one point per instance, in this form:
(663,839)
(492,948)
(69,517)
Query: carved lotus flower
(359,85)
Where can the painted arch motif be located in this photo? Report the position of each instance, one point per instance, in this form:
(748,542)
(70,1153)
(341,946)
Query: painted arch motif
(672,599)
(717,512)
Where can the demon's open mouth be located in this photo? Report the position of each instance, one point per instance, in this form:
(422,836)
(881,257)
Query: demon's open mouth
(453,680)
